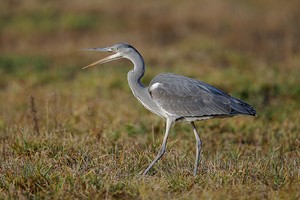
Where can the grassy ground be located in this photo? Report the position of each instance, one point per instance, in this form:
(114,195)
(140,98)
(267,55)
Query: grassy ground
(68,133)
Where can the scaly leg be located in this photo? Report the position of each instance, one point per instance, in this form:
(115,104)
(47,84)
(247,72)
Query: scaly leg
(198,148)
(163,147)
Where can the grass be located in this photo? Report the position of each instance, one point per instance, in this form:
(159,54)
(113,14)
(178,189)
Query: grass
(67,133)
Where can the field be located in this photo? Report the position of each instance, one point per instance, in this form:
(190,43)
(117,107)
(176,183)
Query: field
(68,133)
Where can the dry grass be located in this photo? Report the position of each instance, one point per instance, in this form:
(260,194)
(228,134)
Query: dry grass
(67,133)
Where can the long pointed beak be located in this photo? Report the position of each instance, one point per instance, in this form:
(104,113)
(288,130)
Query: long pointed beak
(104,60)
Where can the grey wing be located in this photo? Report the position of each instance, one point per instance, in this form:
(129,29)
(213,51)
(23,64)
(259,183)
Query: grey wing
(186,97)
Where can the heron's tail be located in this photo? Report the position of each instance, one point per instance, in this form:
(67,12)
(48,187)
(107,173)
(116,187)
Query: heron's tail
(240,107)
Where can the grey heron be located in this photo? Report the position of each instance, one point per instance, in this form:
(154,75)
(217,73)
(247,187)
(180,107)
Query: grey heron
(175,97)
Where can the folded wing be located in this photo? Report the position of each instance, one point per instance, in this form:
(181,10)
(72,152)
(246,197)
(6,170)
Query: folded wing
(186,97)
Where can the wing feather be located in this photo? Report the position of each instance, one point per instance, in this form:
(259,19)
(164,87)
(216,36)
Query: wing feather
(186,97)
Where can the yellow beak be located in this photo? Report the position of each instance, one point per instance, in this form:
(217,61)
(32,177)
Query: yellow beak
(104,60)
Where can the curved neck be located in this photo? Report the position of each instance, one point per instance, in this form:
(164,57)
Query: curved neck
(138,89)
(134,76)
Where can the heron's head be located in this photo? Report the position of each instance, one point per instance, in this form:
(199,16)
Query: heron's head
(121,50)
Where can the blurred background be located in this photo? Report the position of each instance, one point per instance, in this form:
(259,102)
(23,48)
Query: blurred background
(82,132)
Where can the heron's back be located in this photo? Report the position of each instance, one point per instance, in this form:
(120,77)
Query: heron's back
(192,99)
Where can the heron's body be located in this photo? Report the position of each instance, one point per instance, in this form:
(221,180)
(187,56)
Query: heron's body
(175,97)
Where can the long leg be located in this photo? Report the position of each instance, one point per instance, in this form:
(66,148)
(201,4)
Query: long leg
(198,148)
(163,147)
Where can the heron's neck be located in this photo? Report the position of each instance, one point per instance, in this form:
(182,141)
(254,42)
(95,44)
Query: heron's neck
(138,89)
(134,76)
